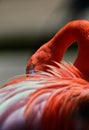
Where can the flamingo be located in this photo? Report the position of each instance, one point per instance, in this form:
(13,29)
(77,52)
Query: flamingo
(52,95)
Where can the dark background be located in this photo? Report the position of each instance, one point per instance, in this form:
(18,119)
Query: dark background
(27,24)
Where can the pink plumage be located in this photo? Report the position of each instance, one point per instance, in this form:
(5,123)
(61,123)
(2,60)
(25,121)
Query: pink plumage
(55,96)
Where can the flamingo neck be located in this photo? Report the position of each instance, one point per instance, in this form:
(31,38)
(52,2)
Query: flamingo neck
(73,31)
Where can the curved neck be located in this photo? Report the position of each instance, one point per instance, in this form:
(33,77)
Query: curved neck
(73,31)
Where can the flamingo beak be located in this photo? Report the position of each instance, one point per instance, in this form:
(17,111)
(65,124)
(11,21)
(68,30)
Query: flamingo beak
(31,69)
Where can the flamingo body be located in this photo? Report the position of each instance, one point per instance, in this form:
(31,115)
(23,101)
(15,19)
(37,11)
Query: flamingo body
(25,104)
(52,95)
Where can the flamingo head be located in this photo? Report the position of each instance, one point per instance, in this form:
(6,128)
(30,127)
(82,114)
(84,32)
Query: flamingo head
(54,49)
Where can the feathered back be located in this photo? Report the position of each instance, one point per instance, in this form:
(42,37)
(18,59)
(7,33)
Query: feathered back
(49,100)
(51,96)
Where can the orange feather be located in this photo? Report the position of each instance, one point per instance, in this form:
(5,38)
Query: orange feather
(52,95)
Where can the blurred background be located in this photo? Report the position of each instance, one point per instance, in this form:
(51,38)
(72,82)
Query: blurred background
(27,24)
